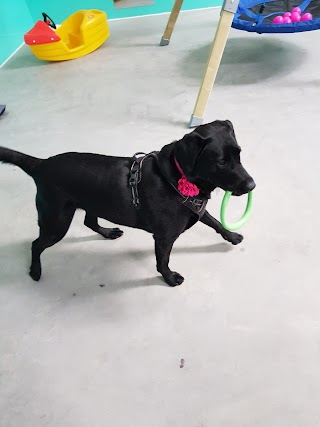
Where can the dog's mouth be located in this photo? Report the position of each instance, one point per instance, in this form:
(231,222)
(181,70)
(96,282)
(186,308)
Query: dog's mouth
(240,193)
(245,189)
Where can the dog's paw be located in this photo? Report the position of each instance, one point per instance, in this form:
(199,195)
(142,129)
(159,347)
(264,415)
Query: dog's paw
(35,272)
(233,238)
(115,233)
(174,279)
(111,233)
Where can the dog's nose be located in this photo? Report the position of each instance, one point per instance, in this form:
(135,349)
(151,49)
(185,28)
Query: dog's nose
(250,184)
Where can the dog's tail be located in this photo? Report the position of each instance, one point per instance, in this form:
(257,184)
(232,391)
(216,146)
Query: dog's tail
(25,162)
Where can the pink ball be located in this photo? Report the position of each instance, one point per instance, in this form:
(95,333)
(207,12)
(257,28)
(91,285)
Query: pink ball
(296,9)
(295,17)
(287,20)
(278,20)
(306,17)
(287,15)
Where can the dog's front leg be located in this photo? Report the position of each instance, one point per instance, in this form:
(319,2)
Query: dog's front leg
(163,246)
(231,237)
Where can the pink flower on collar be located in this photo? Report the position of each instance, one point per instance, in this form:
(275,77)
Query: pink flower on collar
(186,187)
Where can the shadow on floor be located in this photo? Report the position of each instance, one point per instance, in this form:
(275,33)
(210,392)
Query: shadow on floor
(217,247)
(247,60)
(24,59)
(75,268)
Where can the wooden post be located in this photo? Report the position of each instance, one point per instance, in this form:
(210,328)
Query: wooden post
(218,45)
(165,40)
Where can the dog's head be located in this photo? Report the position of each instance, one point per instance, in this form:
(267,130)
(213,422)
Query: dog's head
(210,157)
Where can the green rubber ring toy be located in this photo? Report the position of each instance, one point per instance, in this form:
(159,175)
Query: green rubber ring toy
(236,225)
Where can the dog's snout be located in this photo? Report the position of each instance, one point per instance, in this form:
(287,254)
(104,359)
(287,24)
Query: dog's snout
(245,187)
(250,184)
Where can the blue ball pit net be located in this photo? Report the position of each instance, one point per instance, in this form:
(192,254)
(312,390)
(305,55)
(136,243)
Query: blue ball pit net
(257,16)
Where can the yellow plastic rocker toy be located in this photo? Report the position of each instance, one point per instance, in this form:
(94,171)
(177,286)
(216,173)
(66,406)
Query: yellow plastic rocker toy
(82,33)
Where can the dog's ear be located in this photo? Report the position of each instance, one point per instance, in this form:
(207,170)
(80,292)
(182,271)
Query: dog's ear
(230,126)
(188,150)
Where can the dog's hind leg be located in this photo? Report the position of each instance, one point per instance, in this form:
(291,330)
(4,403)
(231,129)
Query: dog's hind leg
(55,216)
(91,222)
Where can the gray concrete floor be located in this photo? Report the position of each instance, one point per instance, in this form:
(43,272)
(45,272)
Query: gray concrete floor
(247,319)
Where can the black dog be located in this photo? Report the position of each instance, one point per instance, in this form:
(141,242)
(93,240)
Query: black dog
(209,157)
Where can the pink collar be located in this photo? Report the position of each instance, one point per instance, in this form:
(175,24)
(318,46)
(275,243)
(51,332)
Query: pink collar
(186,187)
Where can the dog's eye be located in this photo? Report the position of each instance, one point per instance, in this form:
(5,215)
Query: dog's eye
(221,163)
